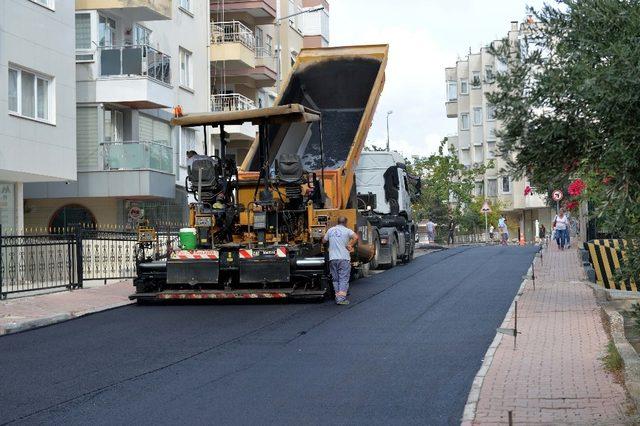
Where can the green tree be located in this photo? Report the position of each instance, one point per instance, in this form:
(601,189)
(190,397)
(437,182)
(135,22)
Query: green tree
(569,103)
(447,185)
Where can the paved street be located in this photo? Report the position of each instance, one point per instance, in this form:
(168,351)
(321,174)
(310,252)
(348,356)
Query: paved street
(404,352)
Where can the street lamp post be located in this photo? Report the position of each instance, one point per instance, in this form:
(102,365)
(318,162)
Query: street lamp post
(388,114)
(277,23)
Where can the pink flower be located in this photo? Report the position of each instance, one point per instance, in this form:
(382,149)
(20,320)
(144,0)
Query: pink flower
(528,191)
(572,205)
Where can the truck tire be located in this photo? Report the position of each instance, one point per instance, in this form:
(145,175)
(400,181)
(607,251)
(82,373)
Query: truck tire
(374,263)
(394,254)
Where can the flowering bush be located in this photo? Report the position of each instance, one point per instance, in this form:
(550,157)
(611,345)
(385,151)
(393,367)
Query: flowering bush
(528,191)
(576,187)
(572,205)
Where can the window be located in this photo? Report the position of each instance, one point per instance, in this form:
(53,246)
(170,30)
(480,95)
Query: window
(506,184)
(464,87)
(492,187)
(113,125)
(452,91)
(491,150)
(491,113)
(479,189)
(29,94)
(107,31)
(477,116)
(187,143)
(259,37)
(46,3)
(83,31)
(186,72)
(491,131)
(475,80)
(488,74)
(478,154)
(268,43)
(501,66)
(141,35)
(186,5)
(464,121)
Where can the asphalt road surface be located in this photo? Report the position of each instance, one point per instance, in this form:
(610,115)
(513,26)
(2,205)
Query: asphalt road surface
(404,352)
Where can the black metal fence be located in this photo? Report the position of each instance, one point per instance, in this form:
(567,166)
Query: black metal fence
(66,258)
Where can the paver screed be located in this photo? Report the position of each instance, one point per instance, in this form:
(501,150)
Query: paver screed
(555,375)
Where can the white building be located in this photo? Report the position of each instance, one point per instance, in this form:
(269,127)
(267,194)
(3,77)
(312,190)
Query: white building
(467,85)
(135,60)
(37,99)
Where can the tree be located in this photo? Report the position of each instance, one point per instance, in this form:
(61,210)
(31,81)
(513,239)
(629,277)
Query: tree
(569,104)
(447,185)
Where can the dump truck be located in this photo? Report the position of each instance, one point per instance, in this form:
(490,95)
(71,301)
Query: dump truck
(386,191)
(258,226)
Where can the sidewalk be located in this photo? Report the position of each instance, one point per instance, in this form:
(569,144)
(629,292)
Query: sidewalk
(36,311)
(555,376)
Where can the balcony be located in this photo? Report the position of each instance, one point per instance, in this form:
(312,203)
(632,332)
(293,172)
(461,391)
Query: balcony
(234,44)
(260,12)
(452,108)
(231,102)
(137,155)
(136,10)
(136,76)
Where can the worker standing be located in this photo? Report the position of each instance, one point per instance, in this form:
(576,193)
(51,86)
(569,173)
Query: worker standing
(341,240)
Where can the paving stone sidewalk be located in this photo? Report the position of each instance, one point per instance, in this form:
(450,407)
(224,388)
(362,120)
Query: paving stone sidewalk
(35,311)
(555,376)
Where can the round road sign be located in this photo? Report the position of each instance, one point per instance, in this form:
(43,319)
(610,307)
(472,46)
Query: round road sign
(557,195)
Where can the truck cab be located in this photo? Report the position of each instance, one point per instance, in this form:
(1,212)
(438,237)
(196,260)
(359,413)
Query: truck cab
(385,192)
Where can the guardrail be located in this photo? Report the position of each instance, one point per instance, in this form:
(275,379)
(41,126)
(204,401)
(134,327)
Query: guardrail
(137,155)
(231,102)
(232,32)
(142,60)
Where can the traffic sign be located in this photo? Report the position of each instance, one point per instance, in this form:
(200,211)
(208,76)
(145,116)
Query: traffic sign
(486,208)
(557,195)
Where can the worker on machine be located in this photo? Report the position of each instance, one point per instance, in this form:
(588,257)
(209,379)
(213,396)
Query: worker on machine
(341,241)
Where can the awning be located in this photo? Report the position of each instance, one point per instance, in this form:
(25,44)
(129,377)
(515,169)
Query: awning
(292,113)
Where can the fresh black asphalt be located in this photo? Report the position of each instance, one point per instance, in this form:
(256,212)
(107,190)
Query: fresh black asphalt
(404,352)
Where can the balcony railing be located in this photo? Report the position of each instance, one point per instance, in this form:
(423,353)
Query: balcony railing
(138,155)
(232,32)
(140,60)
(231,102)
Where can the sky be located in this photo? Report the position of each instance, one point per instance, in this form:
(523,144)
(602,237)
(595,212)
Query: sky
(424,37)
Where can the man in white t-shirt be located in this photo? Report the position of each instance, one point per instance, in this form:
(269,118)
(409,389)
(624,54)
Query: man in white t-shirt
(431,232)
(341,240)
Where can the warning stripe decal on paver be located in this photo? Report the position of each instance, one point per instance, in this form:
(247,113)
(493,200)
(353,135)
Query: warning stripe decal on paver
(260,295)
(195,254)
(607,259)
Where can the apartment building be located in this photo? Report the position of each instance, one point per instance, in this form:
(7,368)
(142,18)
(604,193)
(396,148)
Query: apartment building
(467,86)
(134,61)
(253,47)
(37,100)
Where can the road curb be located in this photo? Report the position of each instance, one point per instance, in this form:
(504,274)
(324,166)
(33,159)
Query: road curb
(470,408)
(17,327)
(630,358)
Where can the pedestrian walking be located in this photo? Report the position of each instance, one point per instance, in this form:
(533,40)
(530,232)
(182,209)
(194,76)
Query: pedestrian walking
(561,224)
(543,232)
(504,231)
(491,231)
(341,240)
(431,232)
(452,230)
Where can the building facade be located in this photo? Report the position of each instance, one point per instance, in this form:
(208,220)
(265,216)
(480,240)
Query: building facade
(467,86)
(254,44)
(37,100)
(134,61)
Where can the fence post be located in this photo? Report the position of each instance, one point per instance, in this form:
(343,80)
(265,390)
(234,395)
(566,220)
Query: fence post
(79,264)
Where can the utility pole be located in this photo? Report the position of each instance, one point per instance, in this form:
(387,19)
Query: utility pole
(278,24)
(388,114)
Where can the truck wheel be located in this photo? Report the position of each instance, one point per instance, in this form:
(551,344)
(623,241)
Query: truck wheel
(373,263)
(394,254)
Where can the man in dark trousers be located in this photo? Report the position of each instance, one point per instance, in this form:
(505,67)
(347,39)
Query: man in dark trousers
(341,240)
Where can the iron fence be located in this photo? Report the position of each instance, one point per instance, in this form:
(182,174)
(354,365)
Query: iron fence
(65,260)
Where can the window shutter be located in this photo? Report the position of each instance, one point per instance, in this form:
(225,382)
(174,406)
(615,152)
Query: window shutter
(87,138)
